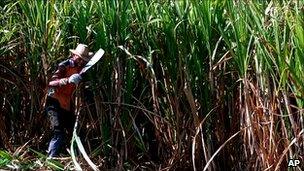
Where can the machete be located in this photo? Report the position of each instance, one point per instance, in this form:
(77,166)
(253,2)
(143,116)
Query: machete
(93,60)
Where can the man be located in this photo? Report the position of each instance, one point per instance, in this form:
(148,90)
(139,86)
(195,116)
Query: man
(59,105)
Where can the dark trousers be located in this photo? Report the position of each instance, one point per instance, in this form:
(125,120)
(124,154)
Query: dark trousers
(62,123)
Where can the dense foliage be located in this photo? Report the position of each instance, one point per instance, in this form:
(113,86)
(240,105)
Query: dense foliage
(186,84)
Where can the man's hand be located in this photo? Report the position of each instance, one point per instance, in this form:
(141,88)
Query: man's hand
(63,81)
(75,79)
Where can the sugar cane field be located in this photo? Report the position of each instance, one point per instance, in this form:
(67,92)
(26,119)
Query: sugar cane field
(182,85)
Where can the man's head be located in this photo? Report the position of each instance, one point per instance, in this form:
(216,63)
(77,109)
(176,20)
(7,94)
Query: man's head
(81,54)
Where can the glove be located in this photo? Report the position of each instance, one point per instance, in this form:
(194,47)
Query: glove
(75,79)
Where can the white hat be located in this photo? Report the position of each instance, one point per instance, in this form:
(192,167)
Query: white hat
(82,51)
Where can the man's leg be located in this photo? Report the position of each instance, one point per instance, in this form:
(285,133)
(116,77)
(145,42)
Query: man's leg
(58,133)
(68,123)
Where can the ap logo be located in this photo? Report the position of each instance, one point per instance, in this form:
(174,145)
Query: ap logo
(294,162)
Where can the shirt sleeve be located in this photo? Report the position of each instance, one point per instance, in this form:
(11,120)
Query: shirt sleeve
(60,73)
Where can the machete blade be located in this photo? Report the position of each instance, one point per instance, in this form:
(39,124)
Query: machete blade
(93,60)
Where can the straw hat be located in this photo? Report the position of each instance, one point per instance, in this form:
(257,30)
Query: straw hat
(82,51)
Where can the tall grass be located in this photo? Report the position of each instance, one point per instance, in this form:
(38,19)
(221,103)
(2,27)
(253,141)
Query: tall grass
(183,85)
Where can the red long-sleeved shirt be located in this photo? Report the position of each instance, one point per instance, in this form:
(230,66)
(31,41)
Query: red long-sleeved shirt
(64,93)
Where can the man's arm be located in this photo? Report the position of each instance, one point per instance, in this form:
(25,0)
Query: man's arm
(57,78)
